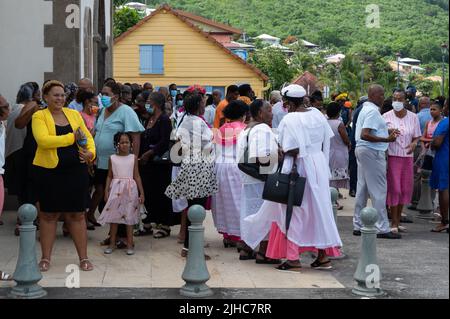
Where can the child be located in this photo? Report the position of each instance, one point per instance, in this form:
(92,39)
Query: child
(121,193)
(4,112)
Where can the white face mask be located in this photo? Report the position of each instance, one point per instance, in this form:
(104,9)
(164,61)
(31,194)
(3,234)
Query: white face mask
(398,106)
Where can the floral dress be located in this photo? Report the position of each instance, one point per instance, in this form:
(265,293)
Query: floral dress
(196,178)
(123,202)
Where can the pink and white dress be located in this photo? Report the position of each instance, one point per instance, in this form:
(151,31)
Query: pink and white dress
(312,226)
(123,202)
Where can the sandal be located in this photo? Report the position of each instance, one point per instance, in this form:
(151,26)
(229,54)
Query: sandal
(440,229)
(163,232)
(105,242)
(86,265)
(145,232)
(265,260)
(286,267)
(93,222)
(229,243)
(44,265)
(251,255)
(321,265)
(5,277)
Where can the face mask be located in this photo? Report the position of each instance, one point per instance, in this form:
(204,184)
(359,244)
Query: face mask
(173,93)
(149,108)
(106,101)
(398,106)
(180,103)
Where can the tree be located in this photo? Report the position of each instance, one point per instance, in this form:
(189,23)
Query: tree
(124,19)
(119,3)
(273,63)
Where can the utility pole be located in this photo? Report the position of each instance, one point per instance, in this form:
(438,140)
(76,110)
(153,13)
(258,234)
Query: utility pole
(444,50)
(398,55)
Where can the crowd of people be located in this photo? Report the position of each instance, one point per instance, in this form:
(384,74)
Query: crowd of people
(129,149)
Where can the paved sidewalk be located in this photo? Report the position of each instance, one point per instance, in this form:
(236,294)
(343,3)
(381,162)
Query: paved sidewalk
(414,267)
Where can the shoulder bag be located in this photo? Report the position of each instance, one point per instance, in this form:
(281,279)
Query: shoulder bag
(251,169)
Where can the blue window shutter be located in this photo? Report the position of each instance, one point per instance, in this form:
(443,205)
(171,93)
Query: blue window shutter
(151,59)
(146,53)
(158,59)
(209,89)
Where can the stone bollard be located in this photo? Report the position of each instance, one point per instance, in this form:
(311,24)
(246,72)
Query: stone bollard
(195,272)
(425,205)
(27,273)
(368,274)
(334,197)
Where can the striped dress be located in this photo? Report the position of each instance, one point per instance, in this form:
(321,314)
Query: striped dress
(400,170)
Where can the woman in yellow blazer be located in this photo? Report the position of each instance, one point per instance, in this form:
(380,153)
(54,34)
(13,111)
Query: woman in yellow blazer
(64,146)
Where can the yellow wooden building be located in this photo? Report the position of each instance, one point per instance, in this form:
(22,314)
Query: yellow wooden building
(166,47)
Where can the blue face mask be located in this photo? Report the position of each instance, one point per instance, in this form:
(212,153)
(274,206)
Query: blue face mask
(149,108)
(180,103)
(173,93)
(106,101)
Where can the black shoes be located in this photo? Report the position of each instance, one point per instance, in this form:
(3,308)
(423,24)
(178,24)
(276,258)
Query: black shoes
(389,235)
(352,193)
(356,233)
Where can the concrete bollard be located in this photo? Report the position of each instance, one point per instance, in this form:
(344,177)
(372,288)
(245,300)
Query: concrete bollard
(425,205)
(334,197)
(368,274)
(195,272)
(27,273)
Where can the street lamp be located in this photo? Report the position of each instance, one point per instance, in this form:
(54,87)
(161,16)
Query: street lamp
(444,50)
(398,55)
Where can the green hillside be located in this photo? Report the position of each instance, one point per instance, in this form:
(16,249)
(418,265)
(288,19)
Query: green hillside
(416,28)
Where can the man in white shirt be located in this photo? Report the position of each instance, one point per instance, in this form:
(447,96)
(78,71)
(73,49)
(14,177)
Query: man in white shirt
(210,110)
(372,140)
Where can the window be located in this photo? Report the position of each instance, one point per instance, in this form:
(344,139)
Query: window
(151,59)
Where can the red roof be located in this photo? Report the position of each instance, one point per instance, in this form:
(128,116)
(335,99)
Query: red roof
(197,29)
(215,24)
(308,79)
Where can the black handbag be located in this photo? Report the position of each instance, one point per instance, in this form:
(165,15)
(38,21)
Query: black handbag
(165,158)
(277,186)
(251,169)
(427,162)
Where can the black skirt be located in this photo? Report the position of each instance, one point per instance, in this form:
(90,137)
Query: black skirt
(155,179)
(63,189)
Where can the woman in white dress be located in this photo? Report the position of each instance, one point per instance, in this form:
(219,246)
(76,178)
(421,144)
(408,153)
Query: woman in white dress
(196,180)
(226,204)
(304,135)
(262,147)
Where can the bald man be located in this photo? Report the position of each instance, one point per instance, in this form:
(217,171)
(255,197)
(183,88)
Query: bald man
(372,140)
(424,114)
(86,84)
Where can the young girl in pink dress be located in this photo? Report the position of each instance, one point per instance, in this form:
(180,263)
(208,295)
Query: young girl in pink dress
(121,192)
